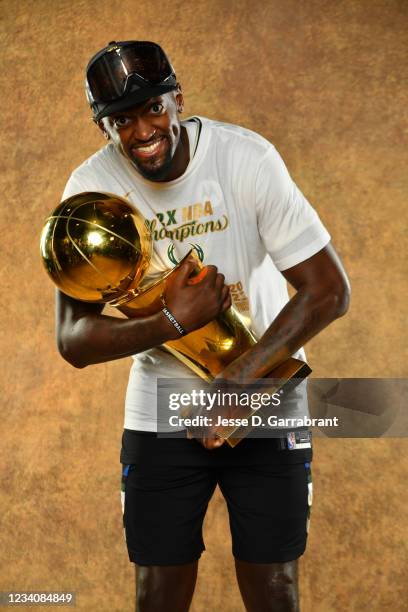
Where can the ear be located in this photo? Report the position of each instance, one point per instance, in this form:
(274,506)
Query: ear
(179,99)
(101,126)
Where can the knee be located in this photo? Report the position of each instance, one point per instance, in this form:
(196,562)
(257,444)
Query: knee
(282,590)
(161,588)
(149,590)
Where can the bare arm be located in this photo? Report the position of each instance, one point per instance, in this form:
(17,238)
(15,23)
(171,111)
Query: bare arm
(323,293)
(85,336)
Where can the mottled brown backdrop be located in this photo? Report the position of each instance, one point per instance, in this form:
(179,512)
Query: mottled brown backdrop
(323,80)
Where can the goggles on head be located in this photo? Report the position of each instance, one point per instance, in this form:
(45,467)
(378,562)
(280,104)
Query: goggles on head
(126,72)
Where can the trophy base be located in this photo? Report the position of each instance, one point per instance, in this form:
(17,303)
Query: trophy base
(289,375)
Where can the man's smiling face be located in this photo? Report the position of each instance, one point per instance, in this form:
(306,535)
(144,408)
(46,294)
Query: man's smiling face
(149,136)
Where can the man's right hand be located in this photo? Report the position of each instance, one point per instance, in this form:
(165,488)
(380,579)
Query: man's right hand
(194,304)
(86,336)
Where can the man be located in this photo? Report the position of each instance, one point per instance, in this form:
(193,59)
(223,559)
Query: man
(225,191)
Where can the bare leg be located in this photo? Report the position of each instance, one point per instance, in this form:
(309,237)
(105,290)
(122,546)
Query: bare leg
(164,588)
(270,587)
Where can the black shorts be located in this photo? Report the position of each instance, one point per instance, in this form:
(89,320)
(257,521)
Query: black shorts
(168,482)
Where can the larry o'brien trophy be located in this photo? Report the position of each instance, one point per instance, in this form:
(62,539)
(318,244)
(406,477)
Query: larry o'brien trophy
(97,247)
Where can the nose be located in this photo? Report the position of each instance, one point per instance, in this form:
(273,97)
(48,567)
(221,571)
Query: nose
(143,130)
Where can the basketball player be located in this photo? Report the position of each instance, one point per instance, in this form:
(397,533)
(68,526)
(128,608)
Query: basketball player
(224,191)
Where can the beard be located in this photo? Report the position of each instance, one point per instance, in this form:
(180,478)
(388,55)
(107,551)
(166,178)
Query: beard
(150,170)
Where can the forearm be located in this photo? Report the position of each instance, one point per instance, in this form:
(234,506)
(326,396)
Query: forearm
(86,336)
(304,316)
(97,338)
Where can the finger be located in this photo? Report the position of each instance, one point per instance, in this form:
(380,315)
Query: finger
(225,293)
(185,270)
(211,276)
(220,282)
(216,443)
(197,278)
(211,443)
(227,303)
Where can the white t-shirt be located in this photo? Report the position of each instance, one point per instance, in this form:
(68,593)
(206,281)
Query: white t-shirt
(237,205)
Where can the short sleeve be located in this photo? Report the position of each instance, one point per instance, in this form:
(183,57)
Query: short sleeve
(73,187)
(288,225)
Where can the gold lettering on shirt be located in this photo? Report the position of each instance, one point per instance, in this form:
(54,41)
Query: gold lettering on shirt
(187,230)
(195,211)
(192,222)
(239,297)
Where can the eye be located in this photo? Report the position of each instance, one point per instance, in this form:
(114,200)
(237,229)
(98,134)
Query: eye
(157,108)
(121,122)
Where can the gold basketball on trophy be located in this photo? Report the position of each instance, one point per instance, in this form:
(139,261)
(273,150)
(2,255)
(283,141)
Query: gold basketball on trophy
(96,247)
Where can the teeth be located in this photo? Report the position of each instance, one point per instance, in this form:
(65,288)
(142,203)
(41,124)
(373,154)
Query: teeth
(150,148)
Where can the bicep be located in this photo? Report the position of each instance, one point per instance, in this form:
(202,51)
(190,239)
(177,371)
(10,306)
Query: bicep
(69,310)
(323,271)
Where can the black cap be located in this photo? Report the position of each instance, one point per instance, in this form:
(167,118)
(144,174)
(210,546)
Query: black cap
(137,91)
